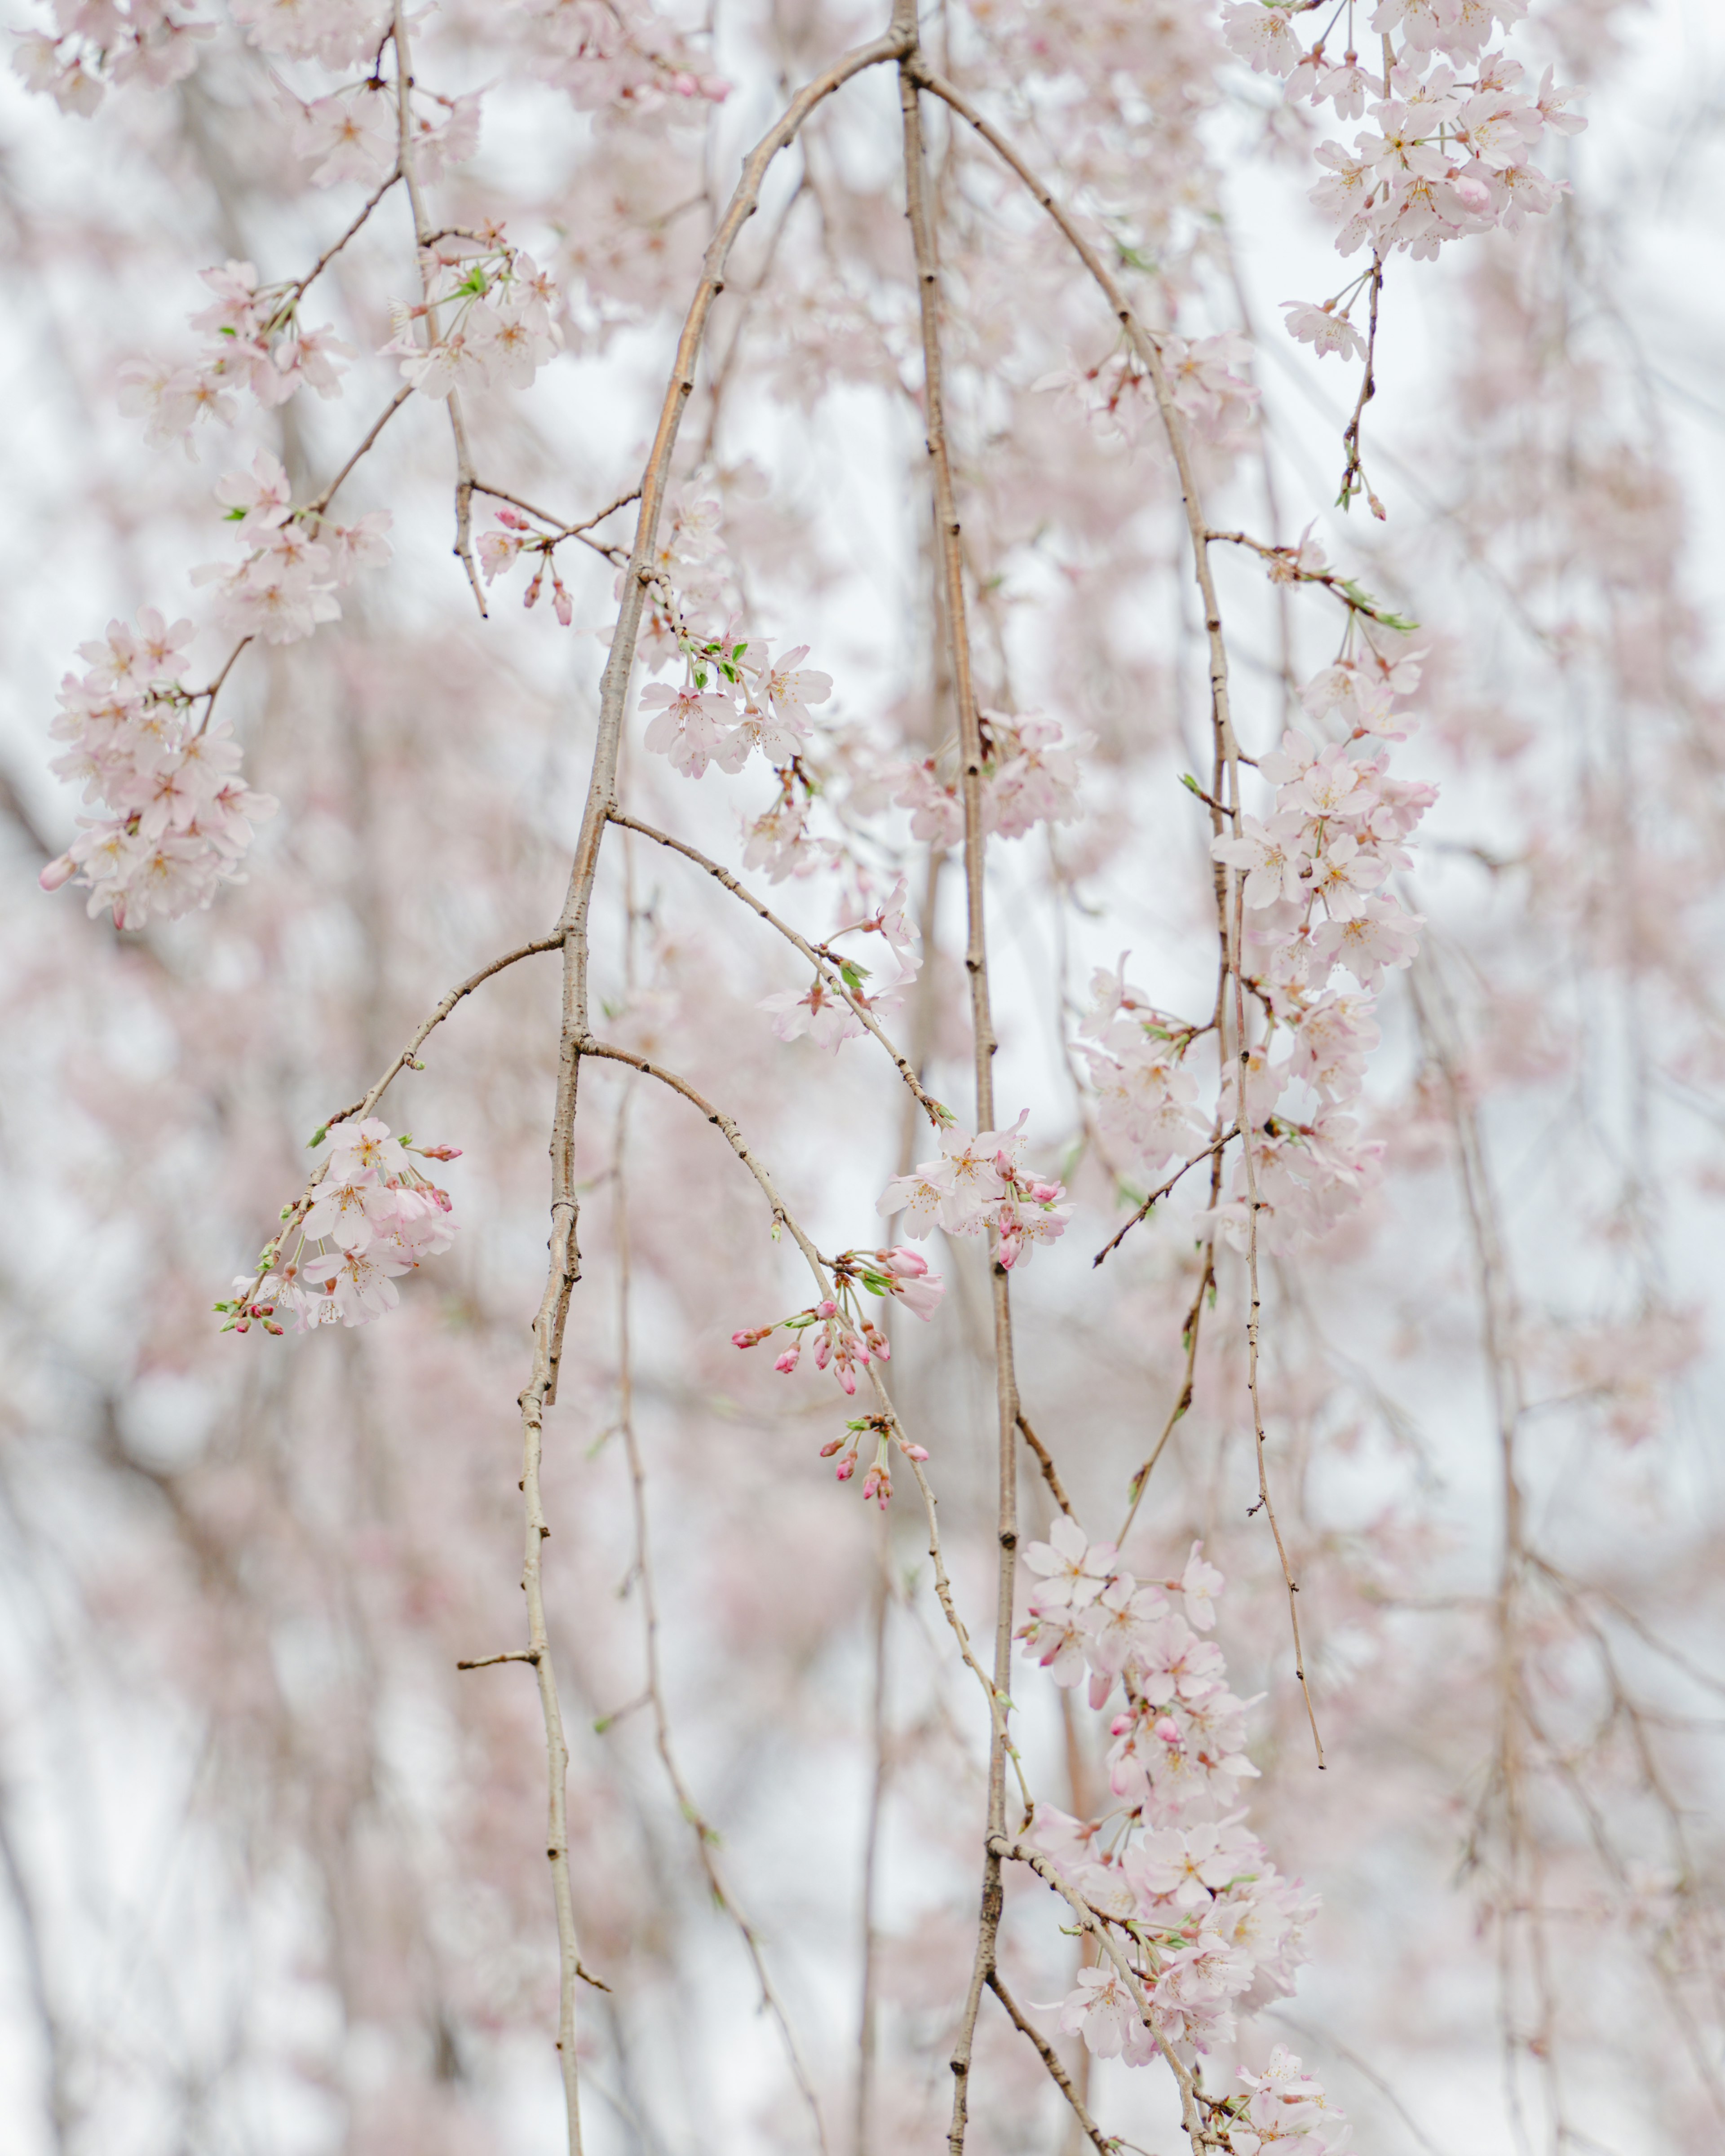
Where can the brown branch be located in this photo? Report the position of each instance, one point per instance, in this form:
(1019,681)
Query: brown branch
(937,1115)
(1045,2051)
(948,542)
(1198,2133)
(1045,1460)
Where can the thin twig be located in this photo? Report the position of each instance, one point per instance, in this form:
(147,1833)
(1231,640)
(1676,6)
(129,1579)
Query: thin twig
(641,1571)
(936,1113)
(301,285)
(1045,1460)
(1161,1191)
(422,235)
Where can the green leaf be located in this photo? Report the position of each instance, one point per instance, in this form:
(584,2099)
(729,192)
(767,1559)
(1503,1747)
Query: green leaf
(317,1137)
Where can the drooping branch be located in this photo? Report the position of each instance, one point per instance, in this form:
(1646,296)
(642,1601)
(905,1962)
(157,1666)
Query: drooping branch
(949,550)
(1050,2058)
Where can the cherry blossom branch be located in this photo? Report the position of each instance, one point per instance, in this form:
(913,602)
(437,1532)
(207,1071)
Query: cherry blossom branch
(423,238)
(563,1263)
(1286,568)
(939,1116)
(1162,1191)
(405,1059)
(706,1839)
(1045,2051)
(949,547)
(1198,2133)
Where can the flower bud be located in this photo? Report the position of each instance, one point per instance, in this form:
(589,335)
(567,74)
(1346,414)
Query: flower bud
(57,872)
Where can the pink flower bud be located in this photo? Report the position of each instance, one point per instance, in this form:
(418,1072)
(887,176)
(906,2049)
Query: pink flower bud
(515,523)
(847,1377)
(744,1339)
(913,1451)
(57,871)
(905,1264)
(833,1444)
(1475,194)
(440,1152)
(847,1467)
(788,1362)
(826,1309)
(1167,1729)
(1119,1725)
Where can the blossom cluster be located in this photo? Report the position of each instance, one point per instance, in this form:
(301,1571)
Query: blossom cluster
(354,134)
(845,1337)
(1200,1911)
(257,343)
(1029,776)
(180,815)
(975,1183)
(102,43)
(498,329)
(1451,147)
(372,1216)
(619,56)
(733,701)
(286,584)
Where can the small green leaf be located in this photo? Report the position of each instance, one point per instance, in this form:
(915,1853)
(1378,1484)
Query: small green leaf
(317,1137)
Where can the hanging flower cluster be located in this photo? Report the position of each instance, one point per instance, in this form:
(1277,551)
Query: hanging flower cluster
(1450,148)
(976,1182)
(295,560)
(101,44)
(1029,776)
(180,815)
(1202,1916)
(845,1337)
(257,343)
(499,330)
(371,1218)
